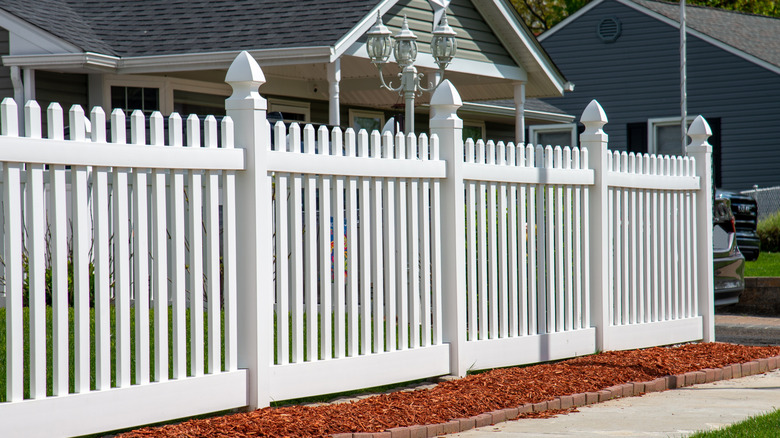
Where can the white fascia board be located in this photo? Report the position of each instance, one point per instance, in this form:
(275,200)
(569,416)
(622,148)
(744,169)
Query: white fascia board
(715,42)
(166,63)
(569,19)
(18,28)
(459,65)
(348,39)
(499,8)
(91,60)
(481,108)
(222,60)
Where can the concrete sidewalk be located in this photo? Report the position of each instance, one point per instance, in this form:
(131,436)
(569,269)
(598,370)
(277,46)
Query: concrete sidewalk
(672,413)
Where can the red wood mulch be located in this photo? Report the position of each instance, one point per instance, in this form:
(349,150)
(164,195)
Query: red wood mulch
(475,394)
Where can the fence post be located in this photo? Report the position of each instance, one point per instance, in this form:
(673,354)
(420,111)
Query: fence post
(595,140)
(701,151)
(254,260)
(446,124)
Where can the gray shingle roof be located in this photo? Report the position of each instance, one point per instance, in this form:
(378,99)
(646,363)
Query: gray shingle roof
(161,27)
(756,35)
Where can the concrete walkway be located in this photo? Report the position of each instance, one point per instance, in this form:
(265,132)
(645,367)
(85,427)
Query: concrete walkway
(673,413)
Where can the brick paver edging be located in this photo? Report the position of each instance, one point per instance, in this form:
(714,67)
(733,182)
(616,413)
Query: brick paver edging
(734,371)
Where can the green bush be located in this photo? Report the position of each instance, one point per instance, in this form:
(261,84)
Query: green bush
(769,232)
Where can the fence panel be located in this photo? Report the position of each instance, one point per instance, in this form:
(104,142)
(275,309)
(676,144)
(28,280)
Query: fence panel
(524,299)
(332,255)
(652,260)
(113,270)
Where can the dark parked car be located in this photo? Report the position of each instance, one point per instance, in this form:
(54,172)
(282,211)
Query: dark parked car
(745,211)
(729,263)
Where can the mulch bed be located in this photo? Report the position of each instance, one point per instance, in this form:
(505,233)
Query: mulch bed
(470,396)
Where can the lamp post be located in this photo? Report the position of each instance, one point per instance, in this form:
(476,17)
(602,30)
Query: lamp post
(404,47)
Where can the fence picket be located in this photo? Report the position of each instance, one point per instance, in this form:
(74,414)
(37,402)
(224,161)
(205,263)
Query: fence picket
(310,251)
(364,239)
(177,251)
(159,234)
(425,246)
(81,244)
(402,281)
(523,234)
(328,228)
(377,262)
(559,289)
(436,249)
(212,270)
(296,252)
(482,231)
(339,256)
(512,281)
(353,253)
(531,233)
(389,256)
(503,291)
(59,261)
(414,248)
(140,231)
(35,244)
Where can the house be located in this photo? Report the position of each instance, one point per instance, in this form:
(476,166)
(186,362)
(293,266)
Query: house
(172,56)
(625,54)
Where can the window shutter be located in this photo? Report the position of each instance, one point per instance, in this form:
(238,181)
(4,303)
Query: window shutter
(636,137)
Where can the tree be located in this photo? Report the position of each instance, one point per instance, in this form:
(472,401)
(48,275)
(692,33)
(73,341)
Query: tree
(541,15)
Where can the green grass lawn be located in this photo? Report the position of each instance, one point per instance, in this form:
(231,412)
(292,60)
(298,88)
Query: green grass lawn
(767,265)
(26,324)
(767,425)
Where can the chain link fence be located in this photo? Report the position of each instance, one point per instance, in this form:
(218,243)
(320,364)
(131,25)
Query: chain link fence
(767,198)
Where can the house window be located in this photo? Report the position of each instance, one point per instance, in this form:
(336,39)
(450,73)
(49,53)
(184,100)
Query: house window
(164,94)
(368,120)
(135,98)
(562,134)
(288,111)
(664,136)
(473,129)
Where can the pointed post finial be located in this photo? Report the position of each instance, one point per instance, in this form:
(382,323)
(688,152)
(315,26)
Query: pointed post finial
(699,132)
(445,101)
(594,118)
(245,76)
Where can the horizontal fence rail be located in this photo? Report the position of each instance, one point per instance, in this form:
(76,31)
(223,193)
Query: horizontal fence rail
(169,268)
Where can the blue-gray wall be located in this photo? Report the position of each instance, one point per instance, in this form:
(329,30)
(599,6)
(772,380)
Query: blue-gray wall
(637,78)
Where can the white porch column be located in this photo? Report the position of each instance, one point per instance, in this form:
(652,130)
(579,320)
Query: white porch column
(520,113)
(334,77)
(29,84)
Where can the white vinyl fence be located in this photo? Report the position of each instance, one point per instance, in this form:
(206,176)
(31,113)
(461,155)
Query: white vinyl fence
(346,259)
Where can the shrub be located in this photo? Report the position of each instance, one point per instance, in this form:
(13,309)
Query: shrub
(769,233)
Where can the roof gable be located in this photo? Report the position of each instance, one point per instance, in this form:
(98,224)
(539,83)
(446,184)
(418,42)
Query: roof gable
(756,35)
(755,38)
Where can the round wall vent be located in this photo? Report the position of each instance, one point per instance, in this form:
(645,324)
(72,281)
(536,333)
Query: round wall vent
(608,29)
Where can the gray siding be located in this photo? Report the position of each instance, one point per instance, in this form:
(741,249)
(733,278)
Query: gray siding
(637,78)
(6,87)
(67,89)
(476,40)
